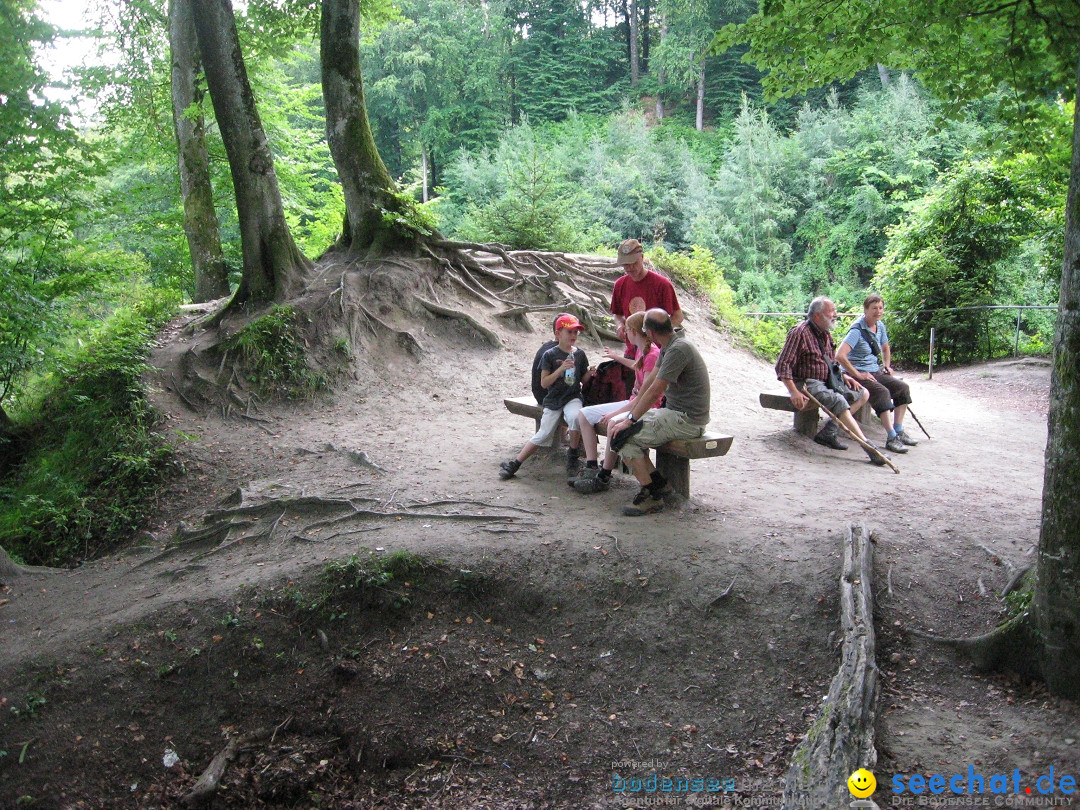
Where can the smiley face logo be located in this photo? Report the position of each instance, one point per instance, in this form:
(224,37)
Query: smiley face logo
(861,783)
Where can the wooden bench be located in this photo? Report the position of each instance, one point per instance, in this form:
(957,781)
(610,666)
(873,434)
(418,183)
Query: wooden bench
(806,420)
(672,459)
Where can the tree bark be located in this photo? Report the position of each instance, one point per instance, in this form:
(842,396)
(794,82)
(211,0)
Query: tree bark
(369,189)
(883,74)
(701,99)
(645,36)
(660,76)
(1057,587)
(424,172)
(200,218)
(274,267)
(635,68)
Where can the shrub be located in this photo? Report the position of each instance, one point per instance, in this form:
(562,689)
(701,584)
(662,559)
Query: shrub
(94,458)
(700,272)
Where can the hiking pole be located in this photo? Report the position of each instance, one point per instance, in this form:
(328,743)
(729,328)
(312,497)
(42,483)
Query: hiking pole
(865,445)
(917,422)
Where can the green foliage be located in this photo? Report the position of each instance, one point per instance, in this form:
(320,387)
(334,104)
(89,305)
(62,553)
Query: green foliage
(983,237)
(700,272)
(368,579)
(93,457)
(273,356)
(31,705)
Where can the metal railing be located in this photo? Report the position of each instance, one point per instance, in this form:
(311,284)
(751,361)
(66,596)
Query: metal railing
(1016,340)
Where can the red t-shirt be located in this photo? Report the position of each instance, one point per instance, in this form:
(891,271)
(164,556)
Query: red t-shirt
(631,296)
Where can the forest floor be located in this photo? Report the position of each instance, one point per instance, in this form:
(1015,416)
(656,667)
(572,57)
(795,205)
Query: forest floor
(541,647)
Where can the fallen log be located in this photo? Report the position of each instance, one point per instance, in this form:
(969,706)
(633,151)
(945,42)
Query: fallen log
(841,740)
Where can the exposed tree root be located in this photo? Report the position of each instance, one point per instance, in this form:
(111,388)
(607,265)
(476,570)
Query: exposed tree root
(1012,646)
(11,570)
(447,312)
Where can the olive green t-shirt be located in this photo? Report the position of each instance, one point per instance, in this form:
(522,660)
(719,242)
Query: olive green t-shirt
(684,370)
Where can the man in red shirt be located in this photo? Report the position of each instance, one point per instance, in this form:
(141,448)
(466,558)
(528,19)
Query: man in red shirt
(641,289)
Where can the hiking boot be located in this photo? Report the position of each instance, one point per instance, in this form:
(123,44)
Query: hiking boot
(894,445)
(876,459)
(572,461)
(906,438)
(508,468)
(591,481)
(645,503)
(827,437)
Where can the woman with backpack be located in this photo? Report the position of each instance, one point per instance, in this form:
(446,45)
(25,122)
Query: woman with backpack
(866,355)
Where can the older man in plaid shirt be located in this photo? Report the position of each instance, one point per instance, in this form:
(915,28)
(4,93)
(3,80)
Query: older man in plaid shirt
(804,362)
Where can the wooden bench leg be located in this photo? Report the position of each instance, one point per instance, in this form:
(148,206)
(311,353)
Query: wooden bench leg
(806,422)
(676,470)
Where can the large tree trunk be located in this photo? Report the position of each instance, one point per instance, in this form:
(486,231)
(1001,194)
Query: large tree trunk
(1057,588)
(200,218)
(369,189)
(883,74)
(273,265)
(635,68)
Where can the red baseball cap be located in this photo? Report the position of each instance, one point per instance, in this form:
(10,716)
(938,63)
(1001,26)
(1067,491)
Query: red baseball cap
(568,322)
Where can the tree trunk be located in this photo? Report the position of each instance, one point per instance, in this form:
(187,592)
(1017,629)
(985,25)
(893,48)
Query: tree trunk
(1057,587)
(660,76)
(883,74)
(635,68)
(629,32)
(645,36)
(424,173)
(369,189)
(200,218)
(273,265)
(701,99)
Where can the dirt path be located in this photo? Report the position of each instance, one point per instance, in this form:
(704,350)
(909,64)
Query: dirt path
(643,673)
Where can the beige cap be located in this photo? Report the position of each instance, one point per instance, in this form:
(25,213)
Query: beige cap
(630,251)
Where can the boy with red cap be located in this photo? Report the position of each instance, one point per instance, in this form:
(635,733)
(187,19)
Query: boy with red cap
(563,369)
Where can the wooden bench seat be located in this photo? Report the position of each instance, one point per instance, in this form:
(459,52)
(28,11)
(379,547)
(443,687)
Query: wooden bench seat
(806,420)
(672,459)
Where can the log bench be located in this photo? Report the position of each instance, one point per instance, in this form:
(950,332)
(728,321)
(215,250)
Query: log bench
(672,459)
(806,420)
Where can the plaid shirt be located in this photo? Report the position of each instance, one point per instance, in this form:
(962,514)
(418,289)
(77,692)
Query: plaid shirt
(802,357)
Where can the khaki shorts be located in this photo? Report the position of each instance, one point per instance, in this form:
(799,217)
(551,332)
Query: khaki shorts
(659,426)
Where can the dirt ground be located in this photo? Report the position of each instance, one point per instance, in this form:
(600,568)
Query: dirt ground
(547,648)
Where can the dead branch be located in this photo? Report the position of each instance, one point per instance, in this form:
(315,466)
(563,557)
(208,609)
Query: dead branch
(842,738)
(723,595)
(428,504)
(208,783)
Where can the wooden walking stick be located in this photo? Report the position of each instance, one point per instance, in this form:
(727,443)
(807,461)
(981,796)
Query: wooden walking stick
(917,422)
(865,445)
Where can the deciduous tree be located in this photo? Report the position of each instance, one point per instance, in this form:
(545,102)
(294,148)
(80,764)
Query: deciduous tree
(963,49)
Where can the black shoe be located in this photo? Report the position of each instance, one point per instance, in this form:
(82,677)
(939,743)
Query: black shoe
(829,438)
(878,459)
(591,481)
(508,468)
